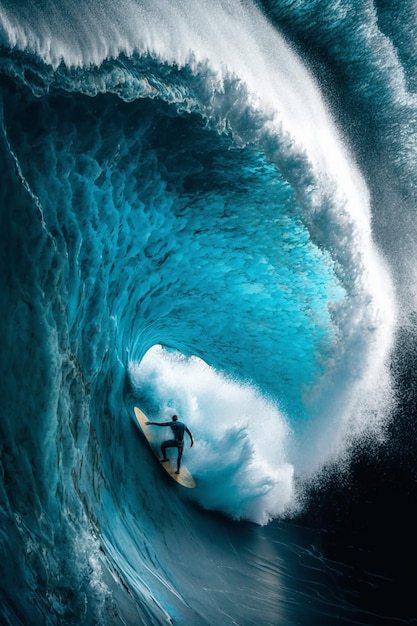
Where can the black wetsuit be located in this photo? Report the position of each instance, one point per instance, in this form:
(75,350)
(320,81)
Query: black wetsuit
(178,429)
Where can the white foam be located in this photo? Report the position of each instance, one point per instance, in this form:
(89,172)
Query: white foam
(240,454)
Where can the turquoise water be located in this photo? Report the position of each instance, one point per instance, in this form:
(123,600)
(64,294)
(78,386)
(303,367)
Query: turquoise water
(194,226)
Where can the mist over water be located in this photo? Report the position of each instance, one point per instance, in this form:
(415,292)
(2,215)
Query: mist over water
(195,220)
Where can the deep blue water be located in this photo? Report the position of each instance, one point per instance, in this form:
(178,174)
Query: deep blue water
(208,209)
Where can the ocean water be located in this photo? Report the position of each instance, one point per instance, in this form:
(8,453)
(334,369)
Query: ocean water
(208,209)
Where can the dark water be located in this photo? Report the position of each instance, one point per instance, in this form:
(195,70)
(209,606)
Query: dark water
(208,209)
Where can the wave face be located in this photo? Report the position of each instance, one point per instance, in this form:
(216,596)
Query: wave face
(194,220)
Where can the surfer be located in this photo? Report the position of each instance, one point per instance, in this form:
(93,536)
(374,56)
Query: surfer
(178,428)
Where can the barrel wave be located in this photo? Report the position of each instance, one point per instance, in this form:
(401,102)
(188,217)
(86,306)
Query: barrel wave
(201,207)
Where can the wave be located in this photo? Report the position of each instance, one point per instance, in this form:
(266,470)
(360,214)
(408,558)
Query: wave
(333,213)
(185,227)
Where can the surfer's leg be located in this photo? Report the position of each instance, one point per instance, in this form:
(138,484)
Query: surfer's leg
(180,450)
(167,444)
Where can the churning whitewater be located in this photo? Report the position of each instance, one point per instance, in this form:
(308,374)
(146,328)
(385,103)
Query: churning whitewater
(189,225)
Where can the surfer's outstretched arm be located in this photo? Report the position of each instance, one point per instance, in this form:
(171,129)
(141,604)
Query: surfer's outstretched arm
(158,424)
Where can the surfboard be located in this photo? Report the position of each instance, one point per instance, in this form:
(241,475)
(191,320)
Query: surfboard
(184,478)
